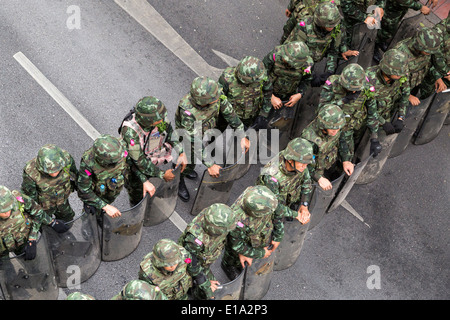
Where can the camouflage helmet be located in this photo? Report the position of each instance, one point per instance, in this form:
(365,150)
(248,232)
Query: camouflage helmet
(296,54)
(299,150)
(204,90)
(166,253)
(108,150)
(79,296)
(259,201)
(250,69)
(331,116)
(427,40)
(50,159)
(353,77)
(140,290)
(327,15)
(394,63)
(149,110)
(218,219)
(7,200)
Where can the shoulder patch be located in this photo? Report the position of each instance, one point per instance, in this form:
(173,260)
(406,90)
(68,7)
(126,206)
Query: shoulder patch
(240,224)
(199,242)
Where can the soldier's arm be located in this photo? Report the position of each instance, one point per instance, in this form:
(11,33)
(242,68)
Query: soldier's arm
(346,145)
(228,113)
(194,248)
(372,121)
(267,90)
(74,172)
(86,187)
(278,226)
(237,238)
(307,187)
(327,93)
(332,56)
(403,101)
(38,216)
(411,4)
(173,139)
(29,187)
(351,11)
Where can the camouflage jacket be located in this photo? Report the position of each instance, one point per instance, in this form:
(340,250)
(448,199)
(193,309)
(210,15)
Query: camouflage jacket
(300,8)
(24,223)
(248,100)
(393,6)
(196,121)
(390,97)
(441,60)
(45,190)
(355,11)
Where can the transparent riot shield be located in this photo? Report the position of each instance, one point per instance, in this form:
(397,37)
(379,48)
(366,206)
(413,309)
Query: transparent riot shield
(347,185)
(283,119)
(22,279)
(414,115)
(231,290)
(258,277)
(122,235)
(375,165)
(407,28)
(75,251)
(434,120)
(290,247)
(160,207)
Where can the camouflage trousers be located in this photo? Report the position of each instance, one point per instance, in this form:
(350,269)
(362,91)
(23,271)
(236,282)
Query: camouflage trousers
(63,211)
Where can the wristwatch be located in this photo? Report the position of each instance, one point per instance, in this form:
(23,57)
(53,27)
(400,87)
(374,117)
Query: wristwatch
(304,203)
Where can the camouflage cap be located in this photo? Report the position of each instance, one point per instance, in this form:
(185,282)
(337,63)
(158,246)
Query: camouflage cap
(150,110)
(327,15)
(218,219)
(299,150)
(296,54)
(7,200)
(259,201)
(250,69)
(50,159)
(140,290)
(79,296)
(427,40)
(331,116)
(394,63)
(353,77)
(108,150)
(166,253)
(204,90)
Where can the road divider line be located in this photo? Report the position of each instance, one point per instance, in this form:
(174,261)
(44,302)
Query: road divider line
(73,112)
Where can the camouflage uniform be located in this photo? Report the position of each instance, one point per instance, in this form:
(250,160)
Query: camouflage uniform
(103,173)
(148,146)
(290,187)
(248,89)
(20,230)
(51,193)
(289,69)
(360,108)
(260,224)
(205,239)
(326,148)
(79,296)
(139,290)
(321,43)
(166,253)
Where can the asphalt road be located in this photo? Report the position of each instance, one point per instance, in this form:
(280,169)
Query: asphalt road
(112,61)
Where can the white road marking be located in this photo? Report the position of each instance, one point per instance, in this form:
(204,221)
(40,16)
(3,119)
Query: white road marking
(74,113)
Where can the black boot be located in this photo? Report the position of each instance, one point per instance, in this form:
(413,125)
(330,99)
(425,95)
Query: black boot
(183,192)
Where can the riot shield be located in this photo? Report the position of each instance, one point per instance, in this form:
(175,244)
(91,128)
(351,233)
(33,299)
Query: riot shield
(231,290)
(407,28)
(290,247)
(282,119)
(22,279)
(122,235)
(258,277)
(160,207)
(348,185)
(434,120)
(414,115)
(375,165)
(79,247)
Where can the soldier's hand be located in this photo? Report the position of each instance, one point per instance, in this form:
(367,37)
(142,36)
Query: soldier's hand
(425,10)
(168,175)
(303,216)
(214,170)
(439,85)
(414,100)
(30,250)
(375,147)
(214,285)
(398,125)
(276,102)
(370,21)
(388,128)
(349,53)
(267,253)
(182,159)
(111,211)
(149,188)
(275,245)
(293,100)
(245,145)
(59,226)
(325,184)
(348,167)
(379,12)
(243,259)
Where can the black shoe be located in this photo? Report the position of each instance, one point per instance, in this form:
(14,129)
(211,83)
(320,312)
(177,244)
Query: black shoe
(193,175)
(183,192)
(231,272)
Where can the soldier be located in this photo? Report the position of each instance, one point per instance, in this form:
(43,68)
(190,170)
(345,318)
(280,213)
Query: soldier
(289,68)
(168,267)
(287,176)
(419,49)
(249,91)
(49,179)
(323,35)
(139,290)
(150,139)
(20,221)
(104,170)
(324,133)
(79,296)
(258,232)
(390,89)
(197,112)
(351,92)
(205,239)
(395,10)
